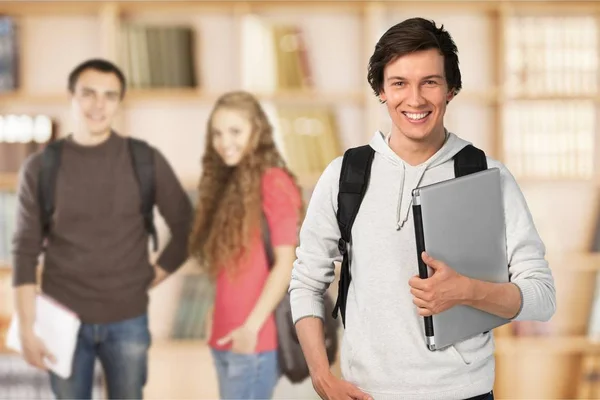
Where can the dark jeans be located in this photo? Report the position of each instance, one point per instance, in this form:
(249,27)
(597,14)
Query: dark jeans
(486,396)
(122,348)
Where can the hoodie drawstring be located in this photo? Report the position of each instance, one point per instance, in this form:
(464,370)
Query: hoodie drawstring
(400,223)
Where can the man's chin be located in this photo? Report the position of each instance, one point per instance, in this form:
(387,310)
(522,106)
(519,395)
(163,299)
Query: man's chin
(99,131)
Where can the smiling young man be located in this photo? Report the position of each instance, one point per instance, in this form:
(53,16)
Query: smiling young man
(96,260)
(414,71)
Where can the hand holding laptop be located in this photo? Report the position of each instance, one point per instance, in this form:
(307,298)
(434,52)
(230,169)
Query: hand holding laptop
(34,350)
(445,288)
(51,343)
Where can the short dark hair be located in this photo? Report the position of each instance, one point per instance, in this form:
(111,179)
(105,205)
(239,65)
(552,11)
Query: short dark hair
(409,36)
(97,64)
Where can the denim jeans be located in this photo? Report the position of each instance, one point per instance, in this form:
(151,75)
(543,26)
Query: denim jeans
(246,376)
(122,348)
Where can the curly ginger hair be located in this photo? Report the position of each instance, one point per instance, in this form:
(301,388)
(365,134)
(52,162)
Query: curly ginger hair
(229,201)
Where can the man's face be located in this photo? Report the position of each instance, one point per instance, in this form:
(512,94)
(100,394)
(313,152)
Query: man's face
(95,101)
(415,91)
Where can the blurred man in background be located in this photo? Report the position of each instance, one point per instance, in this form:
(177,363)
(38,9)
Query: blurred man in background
(95,237)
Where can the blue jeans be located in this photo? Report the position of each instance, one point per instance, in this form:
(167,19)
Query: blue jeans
(122,348)
(246,376)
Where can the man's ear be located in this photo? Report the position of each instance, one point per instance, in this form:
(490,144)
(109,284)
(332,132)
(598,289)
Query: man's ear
(450,95)
(382,97)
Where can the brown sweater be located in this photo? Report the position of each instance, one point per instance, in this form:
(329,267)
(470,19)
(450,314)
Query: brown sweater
(96,261)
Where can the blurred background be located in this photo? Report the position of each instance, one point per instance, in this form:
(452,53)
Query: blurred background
(530,99)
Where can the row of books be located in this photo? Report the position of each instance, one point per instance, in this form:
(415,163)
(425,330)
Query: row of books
(552,55)
(20,136)
(158,56)
(550,139)
(9,64)
(8,207)
(195,301)
(274,56)
(309,138)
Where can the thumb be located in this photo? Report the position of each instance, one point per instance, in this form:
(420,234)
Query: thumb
(224,340)
(431,262)
(357,394)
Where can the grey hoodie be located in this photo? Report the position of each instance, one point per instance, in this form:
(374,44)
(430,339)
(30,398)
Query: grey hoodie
(383,350)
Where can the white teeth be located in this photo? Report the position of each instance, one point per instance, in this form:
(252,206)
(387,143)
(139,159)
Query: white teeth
(415,116)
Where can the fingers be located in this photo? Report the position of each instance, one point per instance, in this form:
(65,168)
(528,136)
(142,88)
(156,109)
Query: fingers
(424,308)
(419,302)
(418,283)
(46,353)
(424,312)
(36,360)
(225,340)
(421,294)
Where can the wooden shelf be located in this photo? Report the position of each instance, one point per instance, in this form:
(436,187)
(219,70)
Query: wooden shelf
(134,96)
(8,182)
(93,7)
(574,261)
(306,181)
(550,97)
(524,180)
(546,345)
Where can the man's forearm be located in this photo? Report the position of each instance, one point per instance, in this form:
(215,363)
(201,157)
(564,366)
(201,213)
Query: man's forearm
(25,305)
(159,275)
(501,299)
(311,338)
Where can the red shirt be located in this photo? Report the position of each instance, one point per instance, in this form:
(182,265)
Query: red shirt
(236,296)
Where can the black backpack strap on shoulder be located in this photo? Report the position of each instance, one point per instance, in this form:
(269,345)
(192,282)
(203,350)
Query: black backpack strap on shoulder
(142,156)
(47,182)
(469,160)
(266,236)
(354,180)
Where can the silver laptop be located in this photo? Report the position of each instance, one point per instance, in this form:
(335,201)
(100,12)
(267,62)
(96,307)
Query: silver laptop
(461,222)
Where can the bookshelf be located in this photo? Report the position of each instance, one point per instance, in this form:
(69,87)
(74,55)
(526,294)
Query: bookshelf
(339,37)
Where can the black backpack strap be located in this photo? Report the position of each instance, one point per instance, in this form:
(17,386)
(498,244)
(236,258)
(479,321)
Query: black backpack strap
(469,160)
(354,180)
(47,182)
(142,156)
(266,236)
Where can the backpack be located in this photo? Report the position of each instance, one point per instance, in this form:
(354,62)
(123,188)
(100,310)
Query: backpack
(142,157)
(354,180)
(292,363)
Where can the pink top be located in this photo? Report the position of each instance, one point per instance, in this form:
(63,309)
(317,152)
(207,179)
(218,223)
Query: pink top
(235,297)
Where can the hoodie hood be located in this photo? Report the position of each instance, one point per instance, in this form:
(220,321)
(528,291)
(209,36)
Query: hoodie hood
(411,176)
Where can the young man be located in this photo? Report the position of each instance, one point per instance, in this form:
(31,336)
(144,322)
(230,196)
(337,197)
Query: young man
(96,259)
(414,71)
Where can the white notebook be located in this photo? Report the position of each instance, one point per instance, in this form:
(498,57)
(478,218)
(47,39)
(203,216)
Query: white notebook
(57,327)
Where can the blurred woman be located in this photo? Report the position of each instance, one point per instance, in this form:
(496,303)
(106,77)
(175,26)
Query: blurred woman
(244,180)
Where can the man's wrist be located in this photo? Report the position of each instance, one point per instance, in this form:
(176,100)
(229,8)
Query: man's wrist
(320,374)
(472,292)
(26,330)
